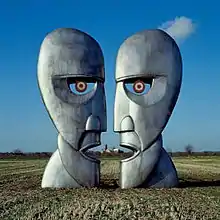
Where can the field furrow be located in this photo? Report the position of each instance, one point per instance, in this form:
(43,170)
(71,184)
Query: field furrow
(198,197)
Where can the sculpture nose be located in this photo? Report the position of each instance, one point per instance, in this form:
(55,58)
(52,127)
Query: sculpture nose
(127,124)
(93,123)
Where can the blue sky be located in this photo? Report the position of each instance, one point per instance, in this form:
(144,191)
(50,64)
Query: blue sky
(24,122)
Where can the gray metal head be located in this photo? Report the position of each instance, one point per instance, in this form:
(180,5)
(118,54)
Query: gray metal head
(152,57)
(69,56)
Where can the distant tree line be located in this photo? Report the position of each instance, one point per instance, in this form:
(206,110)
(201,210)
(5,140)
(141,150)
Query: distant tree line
(47,155)
(189,151)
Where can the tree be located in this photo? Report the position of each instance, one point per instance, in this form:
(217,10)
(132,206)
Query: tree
(189,149)
(17,151)
(106,147)
(169,151)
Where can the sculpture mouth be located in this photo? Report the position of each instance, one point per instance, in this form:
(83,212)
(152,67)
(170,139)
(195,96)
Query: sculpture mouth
(129,146)
(88,141)
(90,154)
(131,141)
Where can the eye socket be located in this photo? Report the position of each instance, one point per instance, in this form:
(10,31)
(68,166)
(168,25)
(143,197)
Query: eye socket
(80,86)
(139,87)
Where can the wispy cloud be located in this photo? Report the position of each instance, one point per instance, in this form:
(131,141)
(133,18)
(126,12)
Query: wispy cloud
(180,28)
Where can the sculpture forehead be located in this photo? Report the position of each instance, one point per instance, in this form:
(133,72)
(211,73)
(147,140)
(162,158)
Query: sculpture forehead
(147,53)
(67,51)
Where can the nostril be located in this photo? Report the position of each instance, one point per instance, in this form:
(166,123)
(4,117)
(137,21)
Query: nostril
(127,124)
(93,123)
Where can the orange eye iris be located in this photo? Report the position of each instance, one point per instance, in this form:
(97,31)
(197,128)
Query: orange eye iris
(139,86)
(81,86)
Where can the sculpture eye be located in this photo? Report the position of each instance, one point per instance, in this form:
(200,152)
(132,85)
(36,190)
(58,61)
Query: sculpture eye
(81,87)
(138,87)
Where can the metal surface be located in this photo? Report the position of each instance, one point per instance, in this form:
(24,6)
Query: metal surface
(153,57)
(68,56)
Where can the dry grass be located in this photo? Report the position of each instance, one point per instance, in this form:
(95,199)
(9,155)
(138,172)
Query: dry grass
(198,198)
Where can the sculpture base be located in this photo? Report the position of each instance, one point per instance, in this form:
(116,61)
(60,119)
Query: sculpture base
(164,174)
(69,168)
(56,176)
(150,168)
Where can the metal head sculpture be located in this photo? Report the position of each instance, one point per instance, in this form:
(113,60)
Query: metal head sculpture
(149,57)
(70,57)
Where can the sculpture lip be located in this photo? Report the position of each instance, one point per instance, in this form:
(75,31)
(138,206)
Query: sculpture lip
(130,140)
(132,147)
(84,151)
(129,146)
(89,140)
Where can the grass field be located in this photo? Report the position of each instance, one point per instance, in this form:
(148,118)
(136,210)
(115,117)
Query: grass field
(197,198)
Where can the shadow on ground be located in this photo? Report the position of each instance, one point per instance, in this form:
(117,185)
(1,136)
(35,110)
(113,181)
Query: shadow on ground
(198,183)
(113,184)
(109,184)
